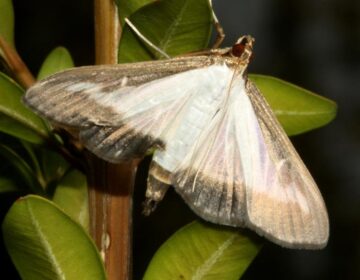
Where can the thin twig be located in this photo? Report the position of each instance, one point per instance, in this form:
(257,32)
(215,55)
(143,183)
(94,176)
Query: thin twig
(16,65)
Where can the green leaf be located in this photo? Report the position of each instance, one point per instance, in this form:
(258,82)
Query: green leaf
(25,172)
(30,150)
(53,165)
(297,109)
(46,244)
(127,8)
(200,251)
(59,59)
(8,185)
(15,118)
(17,129)
(174,26)
(7,21)
(71,195)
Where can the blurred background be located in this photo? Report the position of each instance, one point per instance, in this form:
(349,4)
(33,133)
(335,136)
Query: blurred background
(314,44)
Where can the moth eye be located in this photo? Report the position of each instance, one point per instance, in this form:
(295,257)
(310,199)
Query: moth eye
(238,49)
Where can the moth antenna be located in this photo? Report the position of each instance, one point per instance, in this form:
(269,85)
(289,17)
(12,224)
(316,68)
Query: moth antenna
(147,41)
(220,34)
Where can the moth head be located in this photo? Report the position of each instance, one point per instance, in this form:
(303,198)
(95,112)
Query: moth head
(243,48)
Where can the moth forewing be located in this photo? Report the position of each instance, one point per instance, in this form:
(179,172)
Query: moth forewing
(96,100)
(292,209)
(77,97)
(217,141)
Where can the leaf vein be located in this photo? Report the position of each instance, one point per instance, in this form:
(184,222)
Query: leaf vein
(166,39)
(46,244)
(211,261)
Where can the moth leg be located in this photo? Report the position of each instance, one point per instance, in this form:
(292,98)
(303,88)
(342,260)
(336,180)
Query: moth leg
(155,192)
(146,40)
(158,183)
(220,34)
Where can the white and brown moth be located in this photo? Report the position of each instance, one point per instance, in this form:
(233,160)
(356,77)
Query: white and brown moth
(218,142)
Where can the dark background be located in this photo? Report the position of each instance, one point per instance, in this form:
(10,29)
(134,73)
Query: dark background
(314,44)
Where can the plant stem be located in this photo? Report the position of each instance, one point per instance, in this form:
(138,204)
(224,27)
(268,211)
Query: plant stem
(110,185)
(110,204)
(107,32)
(16,65)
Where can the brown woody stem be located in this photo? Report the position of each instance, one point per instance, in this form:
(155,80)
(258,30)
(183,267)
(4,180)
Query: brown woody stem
(110,185)
(110,200)
(107,32)
(16,65)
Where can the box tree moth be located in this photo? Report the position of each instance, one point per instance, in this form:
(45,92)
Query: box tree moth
(216,139)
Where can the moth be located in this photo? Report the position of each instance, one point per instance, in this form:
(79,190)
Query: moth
(216,140)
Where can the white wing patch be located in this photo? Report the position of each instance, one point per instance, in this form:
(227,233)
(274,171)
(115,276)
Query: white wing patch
(191,122)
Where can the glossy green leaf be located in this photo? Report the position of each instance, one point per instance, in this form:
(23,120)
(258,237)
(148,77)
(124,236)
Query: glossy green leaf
(17,129)
(7,21)
(59,59)
(71,195)
(174,26)
(34,161)
(8,185)
(201,251)
(53,165)
(297,109)
(127,8)
(46,244)
(22,168)
(16,119)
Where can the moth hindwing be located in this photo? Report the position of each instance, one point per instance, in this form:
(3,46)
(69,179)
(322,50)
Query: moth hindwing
(218,142)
